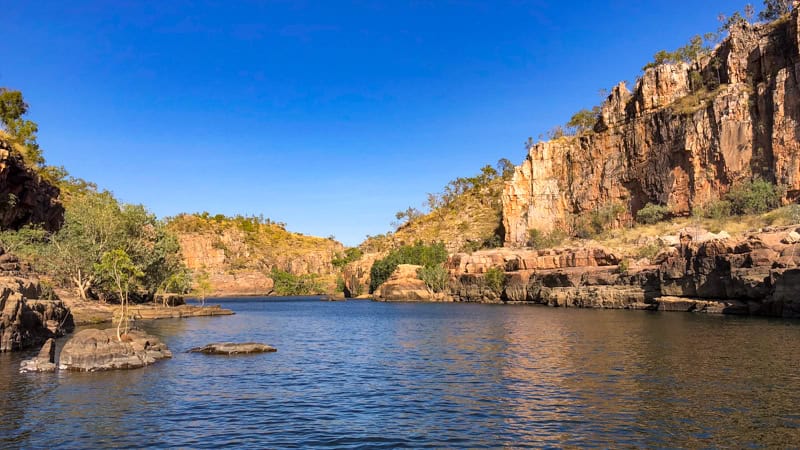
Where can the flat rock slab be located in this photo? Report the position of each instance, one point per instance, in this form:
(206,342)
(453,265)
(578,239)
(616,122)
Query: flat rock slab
(95,350)
(232,348)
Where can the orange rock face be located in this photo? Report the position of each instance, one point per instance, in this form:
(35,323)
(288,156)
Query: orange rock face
(674,140)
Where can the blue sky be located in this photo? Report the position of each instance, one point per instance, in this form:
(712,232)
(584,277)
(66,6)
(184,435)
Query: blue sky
(327,115)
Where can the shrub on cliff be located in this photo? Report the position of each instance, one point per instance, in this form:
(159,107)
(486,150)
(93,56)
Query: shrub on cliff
(754,197)
(419,254)
(717,210)
(652,213)
(495,279)
(436,277)
(538,239)
(350,255)
(604,217)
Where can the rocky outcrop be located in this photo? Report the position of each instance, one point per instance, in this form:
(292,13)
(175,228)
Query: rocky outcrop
(26,321)
(682,138)
(758,274)
(232,348)
(44,361)
(94,350)
(25,197)
(356,275)
(404,285)
(239,262)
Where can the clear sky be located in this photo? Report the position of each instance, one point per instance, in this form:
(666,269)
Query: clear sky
(327,115)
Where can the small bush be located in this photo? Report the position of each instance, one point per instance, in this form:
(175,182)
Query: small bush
(350,255)
(648,251)
(652,213)
(754,197)
(539,240)
(603,218)
(623,267)
(717,210)
(435,277)
(495,279)
(288,284)
(419,254)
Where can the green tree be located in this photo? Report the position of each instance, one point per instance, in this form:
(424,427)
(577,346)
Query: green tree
(21,130)
(418,254)
(117,269)
(436,277)
(92,227)
(754,197)
(202,286)
(583,121)
(505,168)
(652,213)
(774,9)
(495,279)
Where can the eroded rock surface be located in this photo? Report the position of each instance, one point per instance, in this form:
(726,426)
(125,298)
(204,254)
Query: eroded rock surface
(95,350)
(404,285)
(25,321)
(45,361)
(233,348)
(758,274)
(673,140)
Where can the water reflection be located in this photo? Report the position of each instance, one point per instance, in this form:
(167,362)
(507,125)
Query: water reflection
(369,374)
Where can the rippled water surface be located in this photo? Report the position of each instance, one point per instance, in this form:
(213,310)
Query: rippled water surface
(371,375)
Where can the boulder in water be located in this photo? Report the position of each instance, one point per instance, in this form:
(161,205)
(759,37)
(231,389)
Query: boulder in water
(94,350)
(44,361)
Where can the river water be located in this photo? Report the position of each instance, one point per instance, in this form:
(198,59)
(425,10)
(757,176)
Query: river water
(386,375)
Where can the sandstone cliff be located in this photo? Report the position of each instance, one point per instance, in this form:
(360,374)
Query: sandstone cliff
(682,138)
(239,253)
(757,274)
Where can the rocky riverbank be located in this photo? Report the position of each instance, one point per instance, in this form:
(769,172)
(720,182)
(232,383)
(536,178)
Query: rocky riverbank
(26,319)
(757,273)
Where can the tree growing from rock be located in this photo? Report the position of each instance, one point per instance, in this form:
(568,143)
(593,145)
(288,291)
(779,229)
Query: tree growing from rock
(117,269)
(774,9)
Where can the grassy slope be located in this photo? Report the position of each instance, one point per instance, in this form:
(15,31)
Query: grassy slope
(471,219)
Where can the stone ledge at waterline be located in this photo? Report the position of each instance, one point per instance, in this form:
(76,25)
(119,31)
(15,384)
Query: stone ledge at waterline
(757,274)
(95,350)
(232,348)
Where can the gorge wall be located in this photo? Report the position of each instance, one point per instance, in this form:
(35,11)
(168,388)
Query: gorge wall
(25,198)
(239,256)
(675,140)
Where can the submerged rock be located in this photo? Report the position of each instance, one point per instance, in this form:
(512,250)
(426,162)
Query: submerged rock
(94,350)
(45,361)
(232,348)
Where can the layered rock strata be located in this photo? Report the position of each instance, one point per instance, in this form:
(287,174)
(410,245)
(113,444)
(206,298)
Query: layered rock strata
(25,320)
(682,138)
(759,274)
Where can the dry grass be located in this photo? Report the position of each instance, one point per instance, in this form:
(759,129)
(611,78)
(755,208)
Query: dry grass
(472,218)
(630,241)
(696,101)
